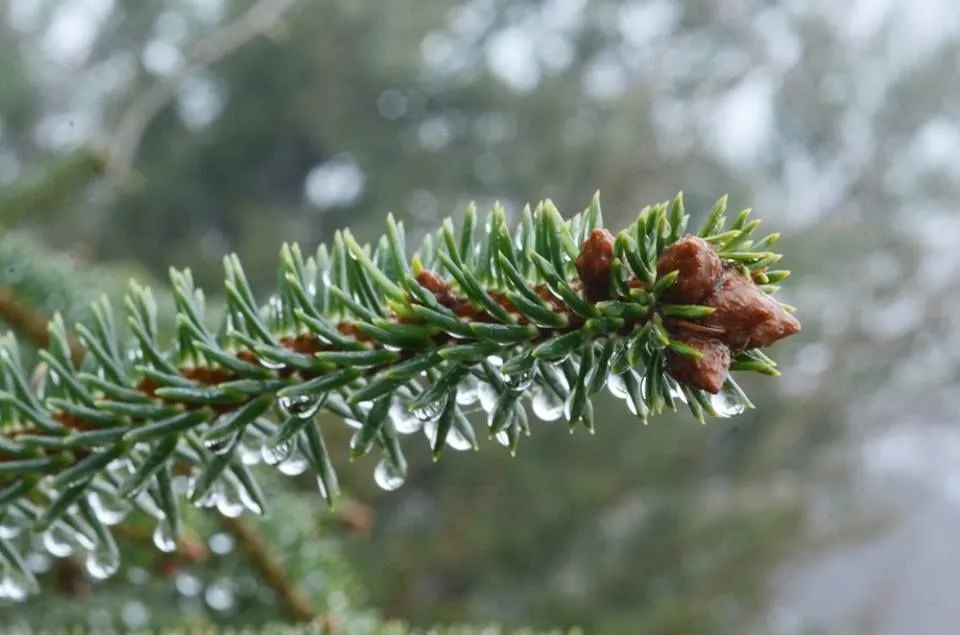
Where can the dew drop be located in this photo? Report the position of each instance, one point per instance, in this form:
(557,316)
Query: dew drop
(249,453)
(294,465)
(546,404)
(301,406)
(228,502)
(57,541)
(727,403)
(270,364)
(103,562)
(220,446)
(220,596)
(16,585)
(518,382)
(429,412)
(274,453)
(403,420)
(187,584)
(617,386)
(676,391)
(467,391)
(110,509)
(458,441)
(247,500)
(163,536)
(387,475)
(487,396)
(322,487)
(10,525)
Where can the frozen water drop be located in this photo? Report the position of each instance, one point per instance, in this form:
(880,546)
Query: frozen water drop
(163,536)
(57,542)
(275,453)
(546,404)
(103,562)
(110,509)
(503,438)
(301,406)
(353,423)
(387,475)
(403,420)
(726,403)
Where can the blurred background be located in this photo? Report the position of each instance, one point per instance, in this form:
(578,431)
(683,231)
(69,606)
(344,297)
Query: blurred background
(237,125)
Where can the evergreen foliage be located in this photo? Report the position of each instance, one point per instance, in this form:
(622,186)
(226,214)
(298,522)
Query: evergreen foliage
(479,319)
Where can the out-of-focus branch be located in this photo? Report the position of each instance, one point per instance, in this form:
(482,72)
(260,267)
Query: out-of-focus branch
(272,572)
(31,323)
(263,16)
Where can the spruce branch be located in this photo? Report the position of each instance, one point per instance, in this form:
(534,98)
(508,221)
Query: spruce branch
(487,318)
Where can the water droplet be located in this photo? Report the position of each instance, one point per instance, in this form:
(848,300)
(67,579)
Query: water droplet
(518,382)
(221,543)
(617,386)
(110,509)
(467,391)
(403,420)
(249,453)
(457,441)
(503,438)
(275,453)
(487,395)
(188,585)
(322,487)
(57,542)
(430,429)
(103,562)
(727,403)
(495,360)
(429,412)
(546,404)
(220,446)
(301,406)
(163,536)
(16,585)
(295,465)
(220,595)
(247,500)
(353,423)
(355,442)
(270,364)
(10,525)
(387,475)
(676,391)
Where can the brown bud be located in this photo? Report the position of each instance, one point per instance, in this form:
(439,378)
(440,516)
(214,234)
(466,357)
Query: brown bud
(594,264)
(708,373)
(698,265)
(748,316)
